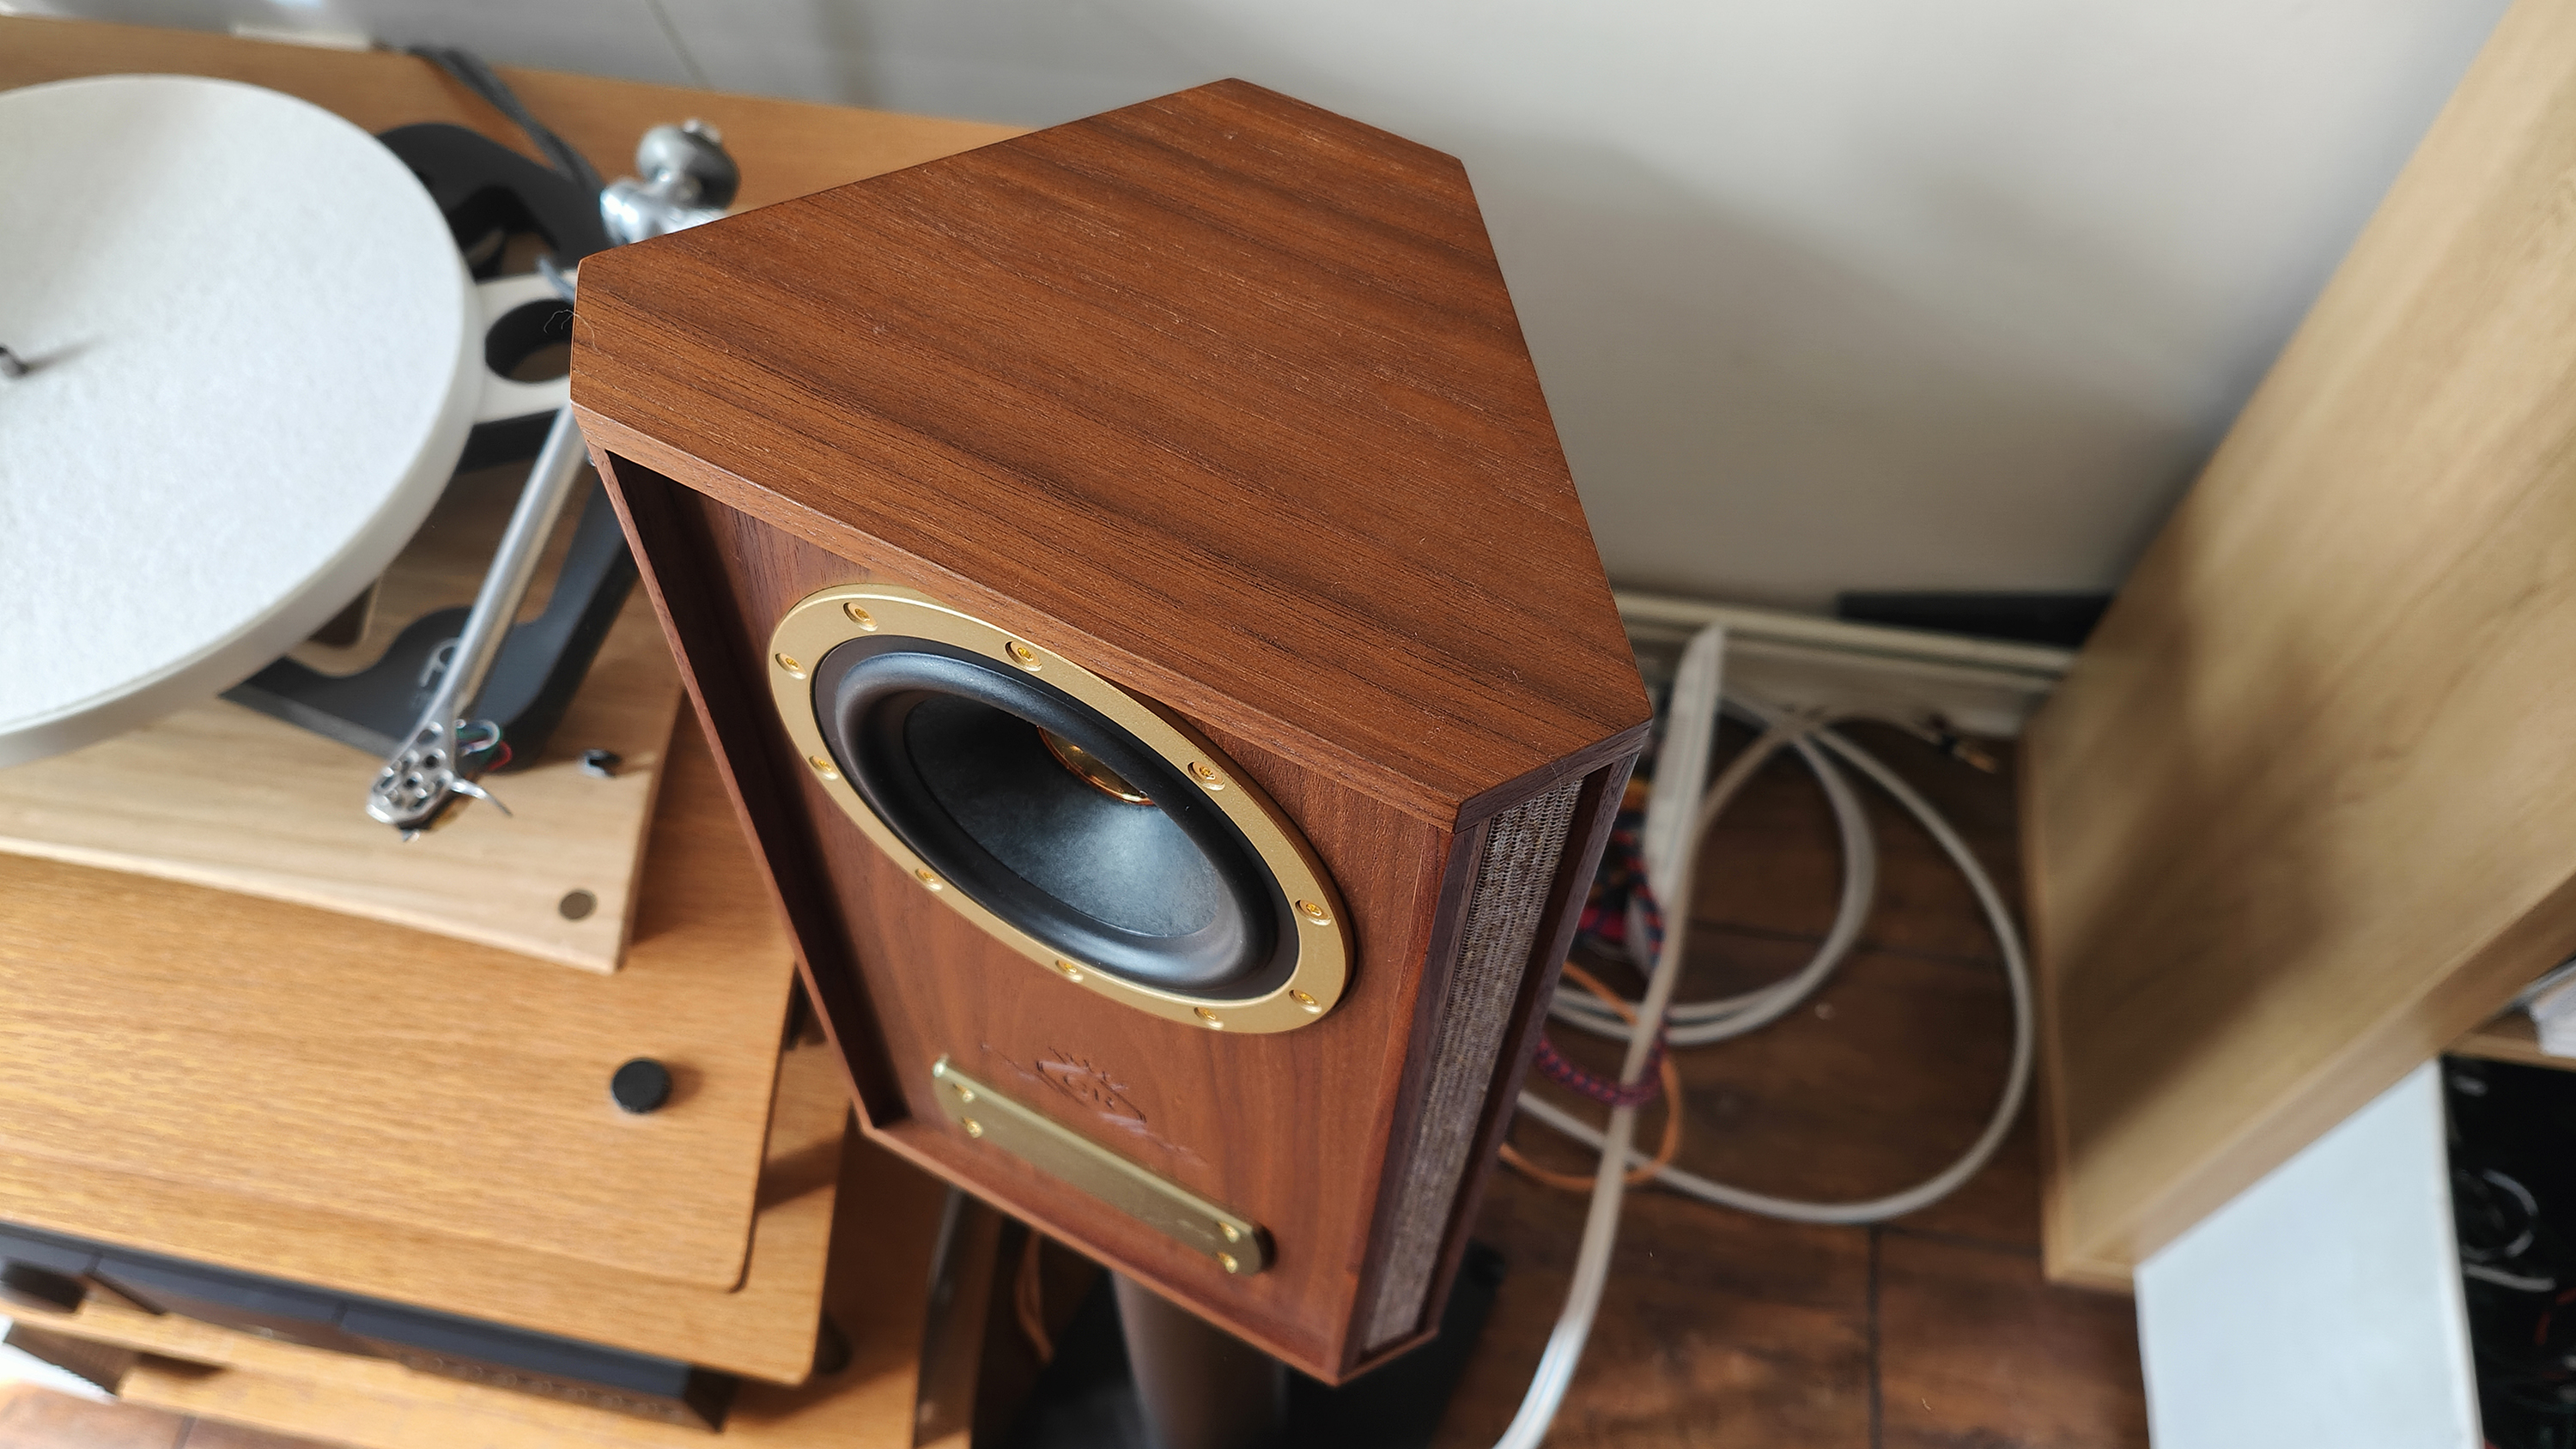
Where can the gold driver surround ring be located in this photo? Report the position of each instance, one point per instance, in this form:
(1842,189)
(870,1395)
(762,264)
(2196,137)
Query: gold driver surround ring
(828,618)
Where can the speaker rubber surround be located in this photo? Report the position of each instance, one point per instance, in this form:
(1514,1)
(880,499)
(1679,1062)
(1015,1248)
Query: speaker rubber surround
(950,750)
(1292,983)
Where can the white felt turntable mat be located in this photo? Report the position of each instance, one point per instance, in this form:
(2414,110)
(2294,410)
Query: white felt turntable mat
(254,368)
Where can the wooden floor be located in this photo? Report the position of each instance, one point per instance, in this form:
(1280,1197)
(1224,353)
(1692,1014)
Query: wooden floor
(1721,1329)
(1727,1330)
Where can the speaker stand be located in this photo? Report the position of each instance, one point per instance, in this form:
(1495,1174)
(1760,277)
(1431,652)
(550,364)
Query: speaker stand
(1132,1370)
(1199,1387)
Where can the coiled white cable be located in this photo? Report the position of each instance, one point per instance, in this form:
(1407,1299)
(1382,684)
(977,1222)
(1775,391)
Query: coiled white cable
(1723,1017)
(1700,1023)
(1710,1021)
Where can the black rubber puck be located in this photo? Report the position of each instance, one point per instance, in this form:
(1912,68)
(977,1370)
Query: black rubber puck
(641,1085)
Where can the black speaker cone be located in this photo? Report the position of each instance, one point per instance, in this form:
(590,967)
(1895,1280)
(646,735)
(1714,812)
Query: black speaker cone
(952,750)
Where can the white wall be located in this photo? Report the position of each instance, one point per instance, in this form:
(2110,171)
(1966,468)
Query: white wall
(1826,294)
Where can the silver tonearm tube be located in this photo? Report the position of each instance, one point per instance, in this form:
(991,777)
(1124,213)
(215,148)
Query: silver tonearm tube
(424,776)
(687,180)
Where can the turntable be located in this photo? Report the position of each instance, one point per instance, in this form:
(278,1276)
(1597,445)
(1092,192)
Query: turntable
(247,348)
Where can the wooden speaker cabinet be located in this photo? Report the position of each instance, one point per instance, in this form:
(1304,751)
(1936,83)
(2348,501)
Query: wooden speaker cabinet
(1138,596)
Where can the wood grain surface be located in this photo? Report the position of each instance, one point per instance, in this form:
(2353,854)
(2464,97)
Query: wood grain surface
(1976,1349)
(221,795)
(877,1292)
(1168,1096)
(299,1057)
(1220,395)
(272,1201)
(763,1327)
(786,148)
(2301,814)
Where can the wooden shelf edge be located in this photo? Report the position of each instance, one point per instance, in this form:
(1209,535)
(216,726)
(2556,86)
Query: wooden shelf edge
(2509,1038)
(878,1291)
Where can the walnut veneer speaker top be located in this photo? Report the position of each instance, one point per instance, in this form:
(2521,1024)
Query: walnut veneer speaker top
(1220,355)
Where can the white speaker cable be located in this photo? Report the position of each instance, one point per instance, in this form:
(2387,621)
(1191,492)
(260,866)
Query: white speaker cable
(2017,1075)
(1700,672)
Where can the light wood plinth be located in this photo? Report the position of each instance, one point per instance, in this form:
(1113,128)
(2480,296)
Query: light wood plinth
(221,795)
(299,1062)
(762,1326)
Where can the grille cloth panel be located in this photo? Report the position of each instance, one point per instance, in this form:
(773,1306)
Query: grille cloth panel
(1503,910)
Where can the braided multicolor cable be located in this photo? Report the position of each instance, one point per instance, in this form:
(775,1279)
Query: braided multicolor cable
(1619,884)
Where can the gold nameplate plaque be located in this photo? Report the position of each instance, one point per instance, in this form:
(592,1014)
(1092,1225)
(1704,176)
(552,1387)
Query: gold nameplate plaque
(1235,1243)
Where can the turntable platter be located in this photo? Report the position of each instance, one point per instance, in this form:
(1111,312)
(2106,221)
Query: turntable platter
(252,355)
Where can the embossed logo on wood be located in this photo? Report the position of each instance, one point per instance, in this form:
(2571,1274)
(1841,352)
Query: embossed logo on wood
(1100,1095)
(1079,1079)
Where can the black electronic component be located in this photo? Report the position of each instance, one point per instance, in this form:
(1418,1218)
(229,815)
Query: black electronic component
(1087,1398)
(66,1256)
(263,1308)
(2513,1202)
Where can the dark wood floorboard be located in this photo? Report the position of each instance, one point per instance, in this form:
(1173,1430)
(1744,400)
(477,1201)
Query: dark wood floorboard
(1978,1353)
(1934,1332)
(1718,1330)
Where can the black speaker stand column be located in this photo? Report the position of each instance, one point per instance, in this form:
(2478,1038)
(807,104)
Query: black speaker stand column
(1200,1387)
(1130,1370)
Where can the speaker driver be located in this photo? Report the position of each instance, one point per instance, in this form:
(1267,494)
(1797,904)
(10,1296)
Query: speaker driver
(1058,813)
